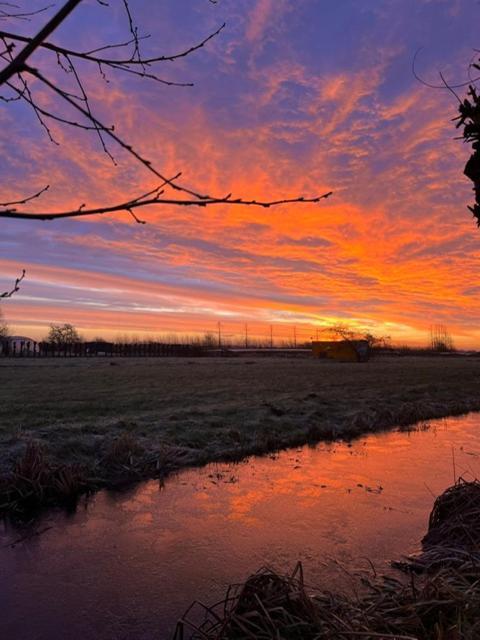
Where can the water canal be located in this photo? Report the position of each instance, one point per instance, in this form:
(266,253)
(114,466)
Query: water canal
(126,565)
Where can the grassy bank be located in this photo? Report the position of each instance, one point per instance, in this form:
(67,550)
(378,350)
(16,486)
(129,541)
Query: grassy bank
(101,422)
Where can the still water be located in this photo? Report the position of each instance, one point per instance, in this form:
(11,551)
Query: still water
(128,565)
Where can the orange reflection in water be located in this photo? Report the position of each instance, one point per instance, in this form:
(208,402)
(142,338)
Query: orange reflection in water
(131,563)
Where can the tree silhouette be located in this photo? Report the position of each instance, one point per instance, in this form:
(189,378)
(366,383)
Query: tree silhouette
(440,338)
(469,119)
(343,331)
(4,332)
(21,67)
(61,334)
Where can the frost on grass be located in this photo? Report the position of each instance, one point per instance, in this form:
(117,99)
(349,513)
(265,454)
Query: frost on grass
(149,417)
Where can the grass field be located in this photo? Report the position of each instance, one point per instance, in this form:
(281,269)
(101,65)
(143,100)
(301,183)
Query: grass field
(145,416)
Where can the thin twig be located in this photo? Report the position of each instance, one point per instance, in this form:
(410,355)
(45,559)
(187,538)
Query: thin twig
(16,287)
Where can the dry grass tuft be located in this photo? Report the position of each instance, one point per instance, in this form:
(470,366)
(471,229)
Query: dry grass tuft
(455,517)
(264,605)
(36,482)
(453,537)
(123,451)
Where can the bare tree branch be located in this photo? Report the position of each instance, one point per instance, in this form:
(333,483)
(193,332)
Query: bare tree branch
(445,85)
(15,77)
(120,62)
(17,65)
(16,287)
(27,199)
(10,11)
(157,199)
(112,134)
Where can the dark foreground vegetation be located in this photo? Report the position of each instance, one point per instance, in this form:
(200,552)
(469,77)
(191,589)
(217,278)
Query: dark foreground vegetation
(68,427)
(436,598)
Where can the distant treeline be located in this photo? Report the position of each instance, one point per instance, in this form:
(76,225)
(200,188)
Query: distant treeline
(17,348)
(27,348)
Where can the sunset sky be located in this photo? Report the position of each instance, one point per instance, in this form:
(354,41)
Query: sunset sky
(294,97)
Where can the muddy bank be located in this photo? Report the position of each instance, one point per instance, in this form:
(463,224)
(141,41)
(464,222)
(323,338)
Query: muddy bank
(73,427)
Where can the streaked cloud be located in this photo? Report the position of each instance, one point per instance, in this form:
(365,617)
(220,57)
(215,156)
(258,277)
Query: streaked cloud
(285,104)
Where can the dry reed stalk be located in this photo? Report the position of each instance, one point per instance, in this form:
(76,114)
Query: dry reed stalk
(36,482)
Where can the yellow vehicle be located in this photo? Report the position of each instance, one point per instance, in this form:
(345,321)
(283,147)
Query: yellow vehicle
(342,350)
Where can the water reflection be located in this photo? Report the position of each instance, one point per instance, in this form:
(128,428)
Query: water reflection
(127,566)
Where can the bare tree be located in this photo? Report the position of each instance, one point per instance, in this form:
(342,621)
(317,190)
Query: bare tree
(72,96)
(440,338)
(4,331)
(61,334)
(342,331)
(377,342)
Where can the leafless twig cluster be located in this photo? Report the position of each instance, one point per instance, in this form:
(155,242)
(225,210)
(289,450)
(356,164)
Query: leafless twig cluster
(126,57)
(15,288)
(9,11)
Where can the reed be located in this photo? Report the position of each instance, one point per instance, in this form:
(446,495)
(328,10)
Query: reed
(36,482)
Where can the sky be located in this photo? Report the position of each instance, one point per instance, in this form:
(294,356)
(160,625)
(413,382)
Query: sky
(293,97)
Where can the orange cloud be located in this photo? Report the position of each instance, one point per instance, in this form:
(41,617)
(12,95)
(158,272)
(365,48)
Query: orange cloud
(392,251)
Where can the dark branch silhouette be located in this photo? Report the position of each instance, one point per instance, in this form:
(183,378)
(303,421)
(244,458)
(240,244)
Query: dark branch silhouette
(8,10)
(151,198)
(16,287)
(122,57)
(445,85)
(17,65)
(121,63)
(469,119)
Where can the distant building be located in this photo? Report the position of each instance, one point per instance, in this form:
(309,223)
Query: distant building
(342,350)
(18,345)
